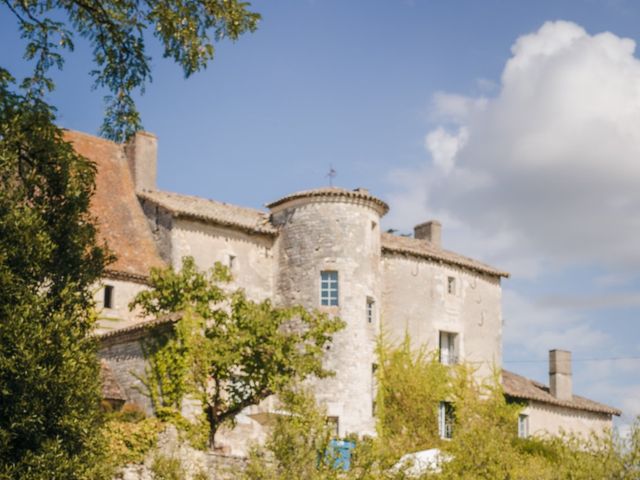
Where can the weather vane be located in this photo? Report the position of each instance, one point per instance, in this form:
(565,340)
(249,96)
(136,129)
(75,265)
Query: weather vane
(332,174)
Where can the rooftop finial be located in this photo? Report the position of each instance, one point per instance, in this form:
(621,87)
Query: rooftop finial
(332,174)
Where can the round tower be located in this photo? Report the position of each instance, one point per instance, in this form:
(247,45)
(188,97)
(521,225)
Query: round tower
(328,254)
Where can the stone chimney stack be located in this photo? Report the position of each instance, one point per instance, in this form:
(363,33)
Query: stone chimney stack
(142,156)
(430,231)
(560,374)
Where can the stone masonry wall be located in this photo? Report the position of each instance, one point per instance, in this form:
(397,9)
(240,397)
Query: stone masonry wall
(119,315)
(416,301)
(546,419)
(341,236)
(252,267)
(127,363)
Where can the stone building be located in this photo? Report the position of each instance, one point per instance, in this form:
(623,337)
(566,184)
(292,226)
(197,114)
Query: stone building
(321,248)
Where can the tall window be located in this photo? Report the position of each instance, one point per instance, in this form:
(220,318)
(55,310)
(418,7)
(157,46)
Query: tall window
(374,388)
(108,296)
(523,426)
(448,348)
(370,310)
(329,288)
(446,418)
(451,285)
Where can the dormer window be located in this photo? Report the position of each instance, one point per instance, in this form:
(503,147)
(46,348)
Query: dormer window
(329,288)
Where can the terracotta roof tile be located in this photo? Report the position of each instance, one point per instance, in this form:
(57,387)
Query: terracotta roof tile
(517,386)
(110,387)
(358,194)
(121,221)
(422,248)
(207,210)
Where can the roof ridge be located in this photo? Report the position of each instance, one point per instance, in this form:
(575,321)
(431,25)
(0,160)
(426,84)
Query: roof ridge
(577,402)
(422,248)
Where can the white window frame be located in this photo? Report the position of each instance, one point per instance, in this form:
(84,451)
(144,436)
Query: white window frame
(329,288)
(523,426)
(448,343)
(445,420)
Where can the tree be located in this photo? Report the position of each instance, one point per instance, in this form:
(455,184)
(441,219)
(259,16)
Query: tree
(49,391)
(229,351)
(484,444)
(117,31)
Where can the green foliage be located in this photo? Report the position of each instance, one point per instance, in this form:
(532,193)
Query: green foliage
(411,385)
(484,443)
(167,468)
(297,446)
(49,387)
(116,30)
(129,437)
(228,351)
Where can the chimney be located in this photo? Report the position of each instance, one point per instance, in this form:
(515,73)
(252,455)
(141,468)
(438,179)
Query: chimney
(430,231)
(560,374)
(142,156)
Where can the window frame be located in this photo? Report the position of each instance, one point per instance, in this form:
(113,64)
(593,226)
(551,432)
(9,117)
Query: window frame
(329,288)
(451,285)
(446,420)
(450,355)
(523,425)
(370,310)
(108,296)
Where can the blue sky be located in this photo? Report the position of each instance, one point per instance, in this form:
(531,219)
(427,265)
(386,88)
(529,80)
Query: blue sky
(525,149)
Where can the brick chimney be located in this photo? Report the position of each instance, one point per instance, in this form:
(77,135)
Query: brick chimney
(560,374)
(142,156)
(430,231)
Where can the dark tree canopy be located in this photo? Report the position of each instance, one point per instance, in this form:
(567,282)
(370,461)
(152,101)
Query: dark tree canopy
(49,390)
(118,31)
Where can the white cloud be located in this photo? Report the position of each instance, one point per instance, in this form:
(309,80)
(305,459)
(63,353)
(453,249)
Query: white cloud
(534,329)
(444,147)
(551,165)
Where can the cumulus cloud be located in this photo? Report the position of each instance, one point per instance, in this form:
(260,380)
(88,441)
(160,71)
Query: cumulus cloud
(550,166)
(535,328)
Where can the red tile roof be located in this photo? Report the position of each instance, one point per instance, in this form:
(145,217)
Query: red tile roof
(517,386)
(120,219)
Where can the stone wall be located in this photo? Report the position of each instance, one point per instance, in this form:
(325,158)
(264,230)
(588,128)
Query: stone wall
(126,360)
(416,300)
(342,236)
(252,264)
(193,462)
(547,419)
(119,315)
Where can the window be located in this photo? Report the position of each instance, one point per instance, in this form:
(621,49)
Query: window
(374,388)
(334,426)
(231,261)
(446,418)
(451,285)
(523,426)
(370,310)
(329,288)
(448,348)
(107,301)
